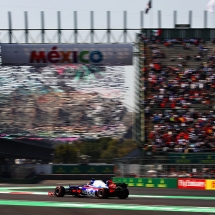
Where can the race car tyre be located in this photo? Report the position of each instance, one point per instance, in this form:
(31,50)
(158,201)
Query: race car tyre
(60,191)
(123,194)
(103,193)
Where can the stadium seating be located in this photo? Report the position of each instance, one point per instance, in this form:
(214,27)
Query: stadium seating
(180,95)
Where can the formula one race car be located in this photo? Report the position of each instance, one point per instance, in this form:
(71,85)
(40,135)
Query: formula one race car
(96,188)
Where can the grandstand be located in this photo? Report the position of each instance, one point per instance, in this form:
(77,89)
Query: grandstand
(178,83)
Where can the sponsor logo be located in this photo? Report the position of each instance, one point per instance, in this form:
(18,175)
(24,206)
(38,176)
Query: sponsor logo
(54,56)
(149,184)
(210,184)
(191,183)
(139,184)
(75,170)
(162,184)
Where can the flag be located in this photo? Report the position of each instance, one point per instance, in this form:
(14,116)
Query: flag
(149,5)
(156,33)
(211,6)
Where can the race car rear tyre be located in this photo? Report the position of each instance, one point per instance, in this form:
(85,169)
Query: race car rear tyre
(123,194)
(103,193)
(60,191)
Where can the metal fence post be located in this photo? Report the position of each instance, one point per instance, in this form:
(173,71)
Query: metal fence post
(10,27)
(75,27)
(42,27)
(159,19)
(26,27)
(205,19)
(190,18)
(59,26)
(92,26)
(174,18)
(125,26)
(108,26)
(141,19)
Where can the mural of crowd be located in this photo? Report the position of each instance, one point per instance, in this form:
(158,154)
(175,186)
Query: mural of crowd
(63,103)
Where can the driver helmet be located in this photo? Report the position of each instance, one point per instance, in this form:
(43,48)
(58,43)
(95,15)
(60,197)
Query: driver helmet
(92,181)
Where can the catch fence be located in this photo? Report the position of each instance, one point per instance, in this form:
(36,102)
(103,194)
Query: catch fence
(17,171)
(160,168)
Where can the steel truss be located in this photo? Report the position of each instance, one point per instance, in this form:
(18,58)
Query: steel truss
(75,35)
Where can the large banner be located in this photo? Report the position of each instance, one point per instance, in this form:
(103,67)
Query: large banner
(59,54)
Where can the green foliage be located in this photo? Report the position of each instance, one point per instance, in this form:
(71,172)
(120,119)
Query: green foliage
(65,153)
(101,149)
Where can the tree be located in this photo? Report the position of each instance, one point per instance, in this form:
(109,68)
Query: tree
(104,148)
(65,153)
(126,147)
(110,153)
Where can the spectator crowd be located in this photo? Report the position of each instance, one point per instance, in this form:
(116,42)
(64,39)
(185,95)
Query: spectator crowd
(179,95)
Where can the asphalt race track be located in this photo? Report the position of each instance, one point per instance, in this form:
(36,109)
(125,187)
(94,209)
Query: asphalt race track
(33,199)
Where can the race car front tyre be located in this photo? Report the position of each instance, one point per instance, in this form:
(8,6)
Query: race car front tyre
(123,194)
(59,191)
(103,193)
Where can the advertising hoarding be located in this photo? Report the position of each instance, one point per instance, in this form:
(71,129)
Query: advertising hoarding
(210,185)
(61,54)
(148,182)
(189,183)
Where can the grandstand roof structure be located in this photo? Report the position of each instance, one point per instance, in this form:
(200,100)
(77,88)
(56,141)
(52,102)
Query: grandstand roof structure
(91,34)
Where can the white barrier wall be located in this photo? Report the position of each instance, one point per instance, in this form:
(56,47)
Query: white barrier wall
(44,169)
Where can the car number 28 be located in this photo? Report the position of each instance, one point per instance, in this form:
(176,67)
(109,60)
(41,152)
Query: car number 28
(90,192)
